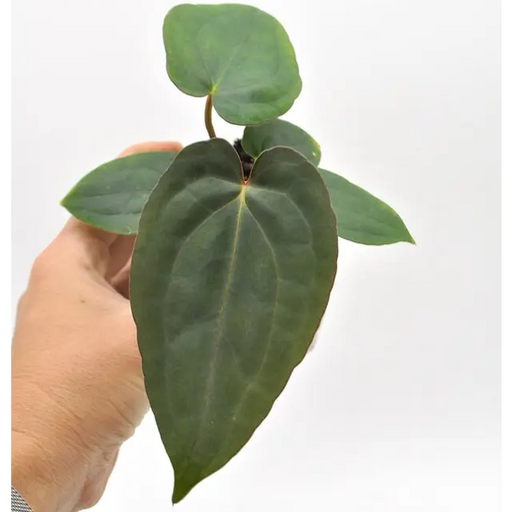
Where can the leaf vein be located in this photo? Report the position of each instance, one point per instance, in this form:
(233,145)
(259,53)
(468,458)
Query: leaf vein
(268,341)
(218,336)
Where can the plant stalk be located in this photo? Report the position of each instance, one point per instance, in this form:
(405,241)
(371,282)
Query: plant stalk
(208,117)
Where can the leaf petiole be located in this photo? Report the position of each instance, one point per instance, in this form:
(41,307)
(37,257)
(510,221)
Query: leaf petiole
(208,117)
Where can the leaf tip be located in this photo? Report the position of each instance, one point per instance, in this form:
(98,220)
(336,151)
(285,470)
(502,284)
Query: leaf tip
(64,202)
(408,237)
(181,488)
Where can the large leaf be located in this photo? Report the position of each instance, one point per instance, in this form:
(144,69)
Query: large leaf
(238,54)
(111,197)
(229,283)
(363,218)
(280,133)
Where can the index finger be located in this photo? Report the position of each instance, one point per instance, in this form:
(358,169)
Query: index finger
(147,147)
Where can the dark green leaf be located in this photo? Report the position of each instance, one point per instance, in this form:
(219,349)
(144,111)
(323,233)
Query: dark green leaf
(112,196)
(363,218)
(229,284)
(280,133)
(237,53)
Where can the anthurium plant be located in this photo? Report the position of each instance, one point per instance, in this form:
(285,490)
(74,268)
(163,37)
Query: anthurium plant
(237,244)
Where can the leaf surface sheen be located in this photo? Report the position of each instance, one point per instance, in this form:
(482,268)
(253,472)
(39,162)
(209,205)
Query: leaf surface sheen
(111,197)
(240,55)
(362,217)
(280,133)
(229,283)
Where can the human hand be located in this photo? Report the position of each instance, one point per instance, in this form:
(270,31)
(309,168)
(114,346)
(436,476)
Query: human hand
(77,384)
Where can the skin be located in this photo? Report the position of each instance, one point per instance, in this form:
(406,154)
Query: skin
(77,385)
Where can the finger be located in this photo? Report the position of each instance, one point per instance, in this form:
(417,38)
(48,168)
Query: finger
(121,282)
(148,147)
(120,253)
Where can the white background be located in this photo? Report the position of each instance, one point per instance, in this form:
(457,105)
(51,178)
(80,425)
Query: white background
(397,408)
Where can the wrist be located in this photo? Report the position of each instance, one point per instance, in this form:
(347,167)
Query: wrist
(48,466)
(31,473)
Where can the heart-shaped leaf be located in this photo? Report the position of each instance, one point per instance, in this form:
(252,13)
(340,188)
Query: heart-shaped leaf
(229,282)
(238,54)
(112,196)
(280,133)
(362,218)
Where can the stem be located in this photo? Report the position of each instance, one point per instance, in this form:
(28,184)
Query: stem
(208,117)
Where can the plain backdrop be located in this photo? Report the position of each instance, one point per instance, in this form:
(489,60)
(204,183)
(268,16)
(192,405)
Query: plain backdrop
(398,406)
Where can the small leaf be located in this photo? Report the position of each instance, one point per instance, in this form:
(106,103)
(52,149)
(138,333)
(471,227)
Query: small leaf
(112,196)
(229,283)
(240,55)
(280,133)
(362,218)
